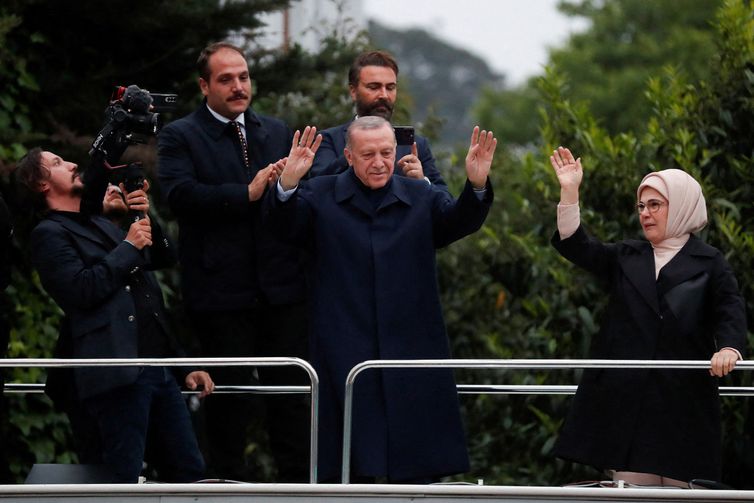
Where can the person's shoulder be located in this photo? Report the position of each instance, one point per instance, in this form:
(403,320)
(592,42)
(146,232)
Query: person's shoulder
(421,142)
(322,183)
(197,115)
(696,246)
(632,246)
(340,129)
(49,225)
(184,123)
(416,188)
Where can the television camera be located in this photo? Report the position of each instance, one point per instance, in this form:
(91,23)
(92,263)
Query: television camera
(131,117)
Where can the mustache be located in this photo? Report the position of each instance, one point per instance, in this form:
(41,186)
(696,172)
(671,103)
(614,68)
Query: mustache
(239,95)
(381,102)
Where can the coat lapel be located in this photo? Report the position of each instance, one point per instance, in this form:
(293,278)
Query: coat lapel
(396,194)
(256,137)
(109,229)
(81,230)
(639,268)
(685,265)
(347,190)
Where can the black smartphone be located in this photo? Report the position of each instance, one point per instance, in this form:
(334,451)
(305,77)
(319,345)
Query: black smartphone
(404,135)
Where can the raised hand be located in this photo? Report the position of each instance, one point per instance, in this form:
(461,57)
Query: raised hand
(569,173)
(300,157)
(411,165)
(479,158)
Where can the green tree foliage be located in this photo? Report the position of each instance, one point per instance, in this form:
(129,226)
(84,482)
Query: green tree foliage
(16,84)
(508,294)
(607,66)
(308,89)
(83,48)
(443,80)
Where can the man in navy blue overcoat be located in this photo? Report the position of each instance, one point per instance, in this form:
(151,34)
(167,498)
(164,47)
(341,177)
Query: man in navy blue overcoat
(372,238)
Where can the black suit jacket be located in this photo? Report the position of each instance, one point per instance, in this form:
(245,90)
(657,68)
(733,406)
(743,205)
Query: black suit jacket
(88,278)
(228,260)
(331,161)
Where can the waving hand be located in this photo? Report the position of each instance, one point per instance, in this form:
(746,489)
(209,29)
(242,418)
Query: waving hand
(479,158)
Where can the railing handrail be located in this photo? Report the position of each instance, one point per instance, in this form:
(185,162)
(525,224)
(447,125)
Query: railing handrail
(203,362)
(161,362)
(510,364)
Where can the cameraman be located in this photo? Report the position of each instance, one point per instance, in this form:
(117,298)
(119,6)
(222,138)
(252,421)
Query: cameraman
(60,384)
(98,275)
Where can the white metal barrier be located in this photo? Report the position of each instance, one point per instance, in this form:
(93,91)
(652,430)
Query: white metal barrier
(503,365)
(200,362)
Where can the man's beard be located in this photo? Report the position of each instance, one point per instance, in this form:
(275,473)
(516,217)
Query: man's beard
(371,109)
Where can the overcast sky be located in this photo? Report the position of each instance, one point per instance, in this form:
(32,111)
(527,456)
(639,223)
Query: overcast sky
(511,35)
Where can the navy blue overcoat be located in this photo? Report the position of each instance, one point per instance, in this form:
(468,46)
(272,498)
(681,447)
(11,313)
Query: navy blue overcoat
(374,295)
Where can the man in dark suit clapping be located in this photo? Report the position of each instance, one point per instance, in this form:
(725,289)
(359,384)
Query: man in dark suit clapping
(244,290)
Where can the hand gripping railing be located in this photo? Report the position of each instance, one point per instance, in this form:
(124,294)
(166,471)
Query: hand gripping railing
(498,364)
(196,362)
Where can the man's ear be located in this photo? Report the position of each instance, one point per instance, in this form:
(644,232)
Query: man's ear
(347,153)
(43,187)
(352,91)
(204,86)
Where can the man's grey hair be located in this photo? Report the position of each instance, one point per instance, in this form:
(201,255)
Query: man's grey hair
(363,124)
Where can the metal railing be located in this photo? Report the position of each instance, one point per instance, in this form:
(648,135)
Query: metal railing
(504,365)
(201,362)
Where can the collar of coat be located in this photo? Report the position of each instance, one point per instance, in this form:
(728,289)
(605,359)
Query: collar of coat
(637,262)
(108,228)
(347,190)
(255,132)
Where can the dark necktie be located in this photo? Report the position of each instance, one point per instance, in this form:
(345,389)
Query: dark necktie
(244,146)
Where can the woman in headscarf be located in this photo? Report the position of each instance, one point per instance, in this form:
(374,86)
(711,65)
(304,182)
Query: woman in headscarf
(672,297)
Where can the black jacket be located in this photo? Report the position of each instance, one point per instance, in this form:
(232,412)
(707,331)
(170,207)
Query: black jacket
(658,421)
(88,278)
(228,260)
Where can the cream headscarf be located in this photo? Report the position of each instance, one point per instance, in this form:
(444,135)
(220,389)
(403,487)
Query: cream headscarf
(687,210)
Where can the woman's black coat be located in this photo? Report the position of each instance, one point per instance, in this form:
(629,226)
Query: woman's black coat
(665,422)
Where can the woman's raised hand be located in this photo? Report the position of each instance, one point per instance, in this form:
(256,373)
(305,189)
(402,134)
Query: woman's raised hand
(569,173)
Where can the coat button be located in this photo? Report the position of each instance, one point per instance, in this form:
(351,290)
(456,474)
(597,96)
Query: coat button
(131,318)
(128,288)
